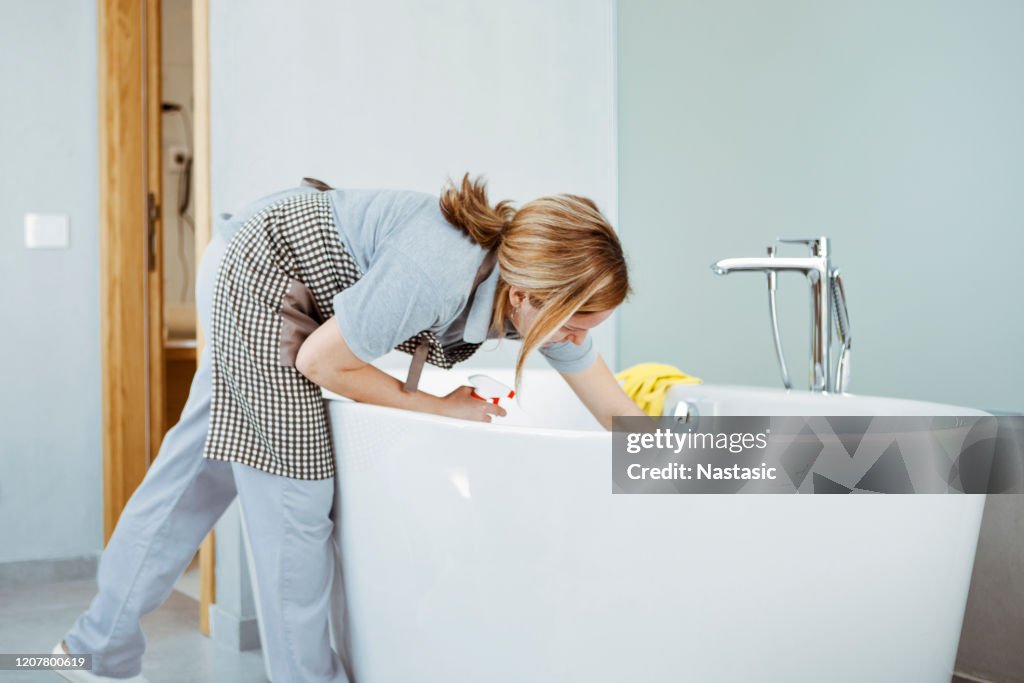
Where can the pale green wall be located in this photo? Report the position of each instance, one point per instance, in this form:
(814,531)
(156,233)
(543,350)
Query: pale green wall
(896,128)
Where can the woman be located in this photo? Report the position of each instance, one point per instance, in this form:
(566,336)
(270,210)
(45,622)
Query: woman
(312,285)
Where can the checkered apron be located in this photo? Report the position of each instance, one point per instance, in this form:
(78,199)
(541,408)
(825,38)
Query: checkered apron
(263,412)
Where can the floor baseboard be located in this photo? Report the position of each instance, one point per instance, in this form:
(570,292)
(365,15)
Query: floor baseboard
(58,569)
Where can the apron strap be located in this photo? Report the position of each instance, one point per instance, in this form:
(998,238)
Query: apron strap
(419,357)
(416,366)
(318,184)
(482,272)
(300,319)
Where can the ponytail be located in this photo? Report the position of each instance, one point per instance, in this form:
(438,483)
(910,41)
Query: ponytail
(560,249)
(467,208)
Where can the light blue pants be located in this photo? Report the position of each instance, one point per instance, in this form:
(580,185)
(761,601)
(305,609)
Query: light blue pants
(288,522)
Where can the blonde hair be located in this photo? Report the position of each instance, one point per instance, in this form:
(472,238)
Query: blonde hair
(558,248)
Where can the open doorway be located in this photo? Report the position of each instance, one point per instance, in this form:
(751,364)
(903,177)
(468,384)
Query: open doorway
(154,220)
(178,207)
(177,215)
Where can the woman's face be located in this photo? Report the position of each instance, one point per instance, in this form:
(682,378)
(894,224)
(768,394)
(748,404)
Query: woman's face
(574,330)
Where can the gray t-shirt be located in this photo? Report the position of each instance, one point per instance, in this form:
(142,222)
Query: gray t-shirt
(418,272)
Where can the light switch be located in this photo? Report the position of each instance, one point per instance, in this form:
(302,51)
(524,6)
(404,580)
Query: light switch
(46,231)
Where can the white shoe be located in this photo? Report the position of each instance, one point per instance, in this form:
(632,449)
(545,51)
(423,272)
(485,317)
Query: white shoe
(83,676)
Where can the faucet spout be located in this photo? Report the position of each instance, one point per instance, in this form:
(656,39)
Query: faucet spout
(762,264)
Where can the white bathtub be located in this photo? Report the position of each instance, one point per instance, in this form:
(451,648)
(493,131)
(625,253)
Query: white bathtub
(492,553)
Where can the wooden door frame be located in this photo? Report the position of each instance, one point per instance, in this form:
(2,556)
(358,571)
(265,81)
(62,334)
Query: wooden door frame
(130,240)
(131,244)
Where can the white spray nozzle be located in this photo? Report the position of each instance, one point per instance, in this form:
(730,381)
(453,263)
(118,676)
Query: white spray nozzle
(489,389)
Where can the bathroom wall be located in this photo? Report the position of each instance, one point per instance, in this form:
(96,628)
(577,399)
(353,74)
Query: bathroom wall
(893,128)
(50,413)
(404,94)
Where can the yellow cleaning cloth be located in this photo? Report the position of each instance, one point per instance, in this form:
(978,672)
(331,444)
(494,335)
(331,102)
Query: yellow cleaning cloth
(647,383)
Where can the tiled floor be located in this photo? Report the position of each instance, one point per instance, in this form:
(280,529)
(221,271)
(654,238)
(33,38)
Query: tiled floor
(34,615)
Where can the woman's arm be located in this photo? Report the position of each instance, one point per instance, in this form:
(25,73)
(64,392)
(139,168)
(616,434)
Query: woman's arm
(326,360)
(600,392)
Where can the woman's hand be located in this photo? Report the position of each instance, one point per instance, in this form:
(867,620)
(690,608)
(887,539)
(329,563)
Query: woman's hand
(462,404)
(326,360)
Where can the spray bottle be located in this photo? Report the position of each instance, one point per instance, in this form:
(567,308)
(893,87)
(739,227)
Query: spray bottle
(489,389)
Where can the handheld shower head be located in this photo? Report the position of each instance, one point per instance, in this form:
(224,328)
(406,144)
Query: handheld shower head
(842,318)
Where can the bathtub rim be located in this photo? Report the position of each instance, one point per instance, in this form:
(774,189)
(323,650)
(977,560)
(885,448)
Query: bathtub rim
(346,403)
(349,405)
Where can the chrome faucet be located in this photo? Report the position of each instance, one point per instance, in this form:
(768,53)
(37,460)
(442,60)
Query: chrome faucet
(828,303)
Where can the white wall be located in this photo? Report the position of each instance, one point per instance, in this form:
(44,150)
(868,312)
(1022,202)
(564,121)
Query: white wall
(50,410)
(403,94)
